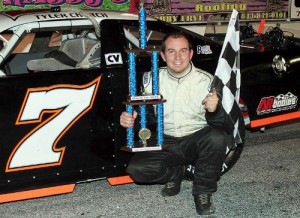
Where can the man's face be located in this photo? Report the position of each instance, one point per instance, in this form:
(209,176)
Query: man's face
(177,54)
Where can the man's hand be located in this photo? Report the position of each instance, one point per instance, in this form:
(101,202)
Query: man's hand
(127,120)
(211,101)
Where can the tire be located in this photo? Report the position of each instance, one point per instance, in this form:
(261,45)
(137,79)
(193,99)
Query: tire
(232,157)
(230,160)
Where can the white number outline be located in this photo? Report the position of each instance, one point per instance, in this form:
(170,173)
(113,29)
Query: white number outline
(57,153)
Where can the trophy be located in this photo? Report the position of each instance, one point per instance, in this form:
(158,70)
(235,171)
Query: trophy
(146,141)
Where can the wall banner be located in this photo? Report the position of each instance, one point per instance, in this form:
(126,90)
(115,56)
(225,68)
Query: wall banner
(295,9)
(176,11)
(190,11)
(115,5)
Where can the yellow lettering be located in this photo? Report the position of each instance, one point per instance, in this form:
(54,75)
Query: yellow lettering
(207,8)
(174,18)
(190,18)
(167,18)
(220,7)
(198,7)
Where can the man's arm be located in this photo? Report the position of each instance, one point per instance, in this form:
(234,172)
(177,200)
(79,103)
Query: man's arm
(215,114)
(219,118)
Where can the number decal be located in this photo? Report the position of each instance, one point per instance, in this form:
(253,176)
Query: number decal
(66,104)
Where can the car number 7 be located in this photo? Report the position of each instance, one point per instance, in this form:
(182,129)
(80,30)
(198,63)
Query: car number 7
(67,104)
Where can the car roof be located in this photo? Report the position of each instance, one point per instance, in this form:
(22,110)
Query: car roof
(10,20)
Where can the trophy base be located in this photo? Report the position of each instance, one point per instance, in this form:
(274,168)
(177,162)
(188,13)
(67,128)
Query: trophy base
(141,149)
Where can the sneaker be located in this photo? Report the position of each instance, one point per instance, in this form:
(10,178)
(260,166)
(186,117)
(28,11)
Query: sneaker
(204,205)
(172,188)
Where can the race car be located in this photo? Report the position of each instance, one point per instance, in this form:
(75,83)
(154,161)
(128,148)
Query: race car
(270,87)
(269,66)
(64,80)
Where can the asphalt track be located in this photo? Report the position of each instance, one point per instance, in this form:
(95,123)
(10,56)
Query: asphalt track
(263,183)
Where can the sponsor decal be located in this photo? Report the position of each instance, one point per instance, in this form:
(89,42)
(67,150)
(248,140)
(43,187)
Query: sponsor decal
(68,15)
(272,104)
(113,58)
(205,49)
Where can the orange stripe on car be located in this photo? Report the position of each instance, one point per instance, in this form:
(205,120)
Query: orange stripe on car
(120,180)
(275,119)
(37,193)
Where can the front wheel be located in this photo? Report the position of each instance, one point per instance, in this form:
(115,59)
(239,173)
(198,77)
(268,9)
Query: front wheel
(231,159)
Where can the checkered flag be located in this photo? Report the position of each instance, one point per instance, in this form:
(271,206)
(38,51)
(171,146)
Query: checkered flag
(227,76)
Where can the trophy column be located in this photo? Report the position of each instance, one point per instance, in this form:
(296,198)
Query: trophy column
(145,142)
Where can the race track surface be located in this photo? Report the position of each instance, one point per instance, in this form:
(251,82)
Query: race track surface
(263,183)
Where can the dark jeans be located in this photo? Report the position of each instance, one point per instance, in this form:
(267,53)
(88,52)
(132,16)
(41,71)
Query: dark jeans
(205,149)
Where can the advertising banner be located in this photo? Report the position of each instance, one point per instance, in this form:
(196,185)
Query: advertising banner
(295,9)
(115,5)
(187,11)
(175,11)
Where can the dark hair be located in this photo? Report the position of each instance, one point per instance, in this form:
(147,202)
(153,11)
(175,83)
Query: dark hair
(175,35)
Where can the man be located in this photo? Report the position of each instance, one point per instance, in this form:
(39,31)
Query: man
(196,127)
